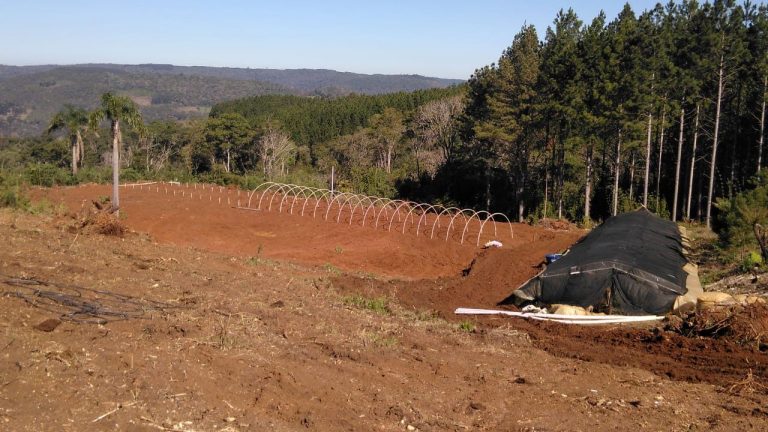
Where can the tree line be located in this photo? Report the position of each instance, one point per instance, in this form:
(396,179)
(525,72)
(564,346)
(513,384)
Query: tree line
(664,109)
(263,137)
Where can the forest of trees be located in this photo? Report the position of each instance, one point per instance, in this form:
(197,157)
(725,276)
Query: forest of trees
(664,108)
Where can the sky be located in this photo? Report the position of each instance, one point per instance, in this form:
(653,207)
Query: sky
(445,38)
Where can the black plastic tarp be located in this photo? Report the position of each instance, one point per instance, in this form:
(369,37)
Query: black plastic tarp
(631,264)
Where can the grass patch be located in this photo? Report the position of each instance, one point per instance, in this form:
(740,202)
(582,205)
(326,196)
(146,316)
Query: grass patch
(421,315)
(378,305)
(379,339)
(255,260)
(13,197)
(332,269)
(467,326)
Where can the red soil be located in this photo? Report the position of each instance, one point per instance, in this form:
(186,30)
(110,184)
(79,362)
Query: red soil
(428,274)
(209,220)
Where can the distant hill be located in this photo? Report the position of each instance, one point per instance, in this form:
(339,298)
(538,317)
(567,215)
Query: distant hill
(30,95)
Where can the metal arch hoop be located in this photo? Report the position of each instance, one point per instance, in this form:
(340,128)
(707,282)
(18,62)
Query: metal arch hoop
(281,190)
(424,207)
(250,196)
(344,204)
(397,210)
(335,198)
(424,216)
(290,191)
(475,215)
(390,203)
(378,206)
(314,195)
(303,190)
(511,233)
(373,206)
(323,197)
(371,200)
(466,220)
(446,210)
(360,199)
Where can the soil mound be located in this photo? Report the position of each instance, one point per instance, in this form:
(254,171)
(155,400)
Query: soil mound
(98,218)
(557,224)
(746,325)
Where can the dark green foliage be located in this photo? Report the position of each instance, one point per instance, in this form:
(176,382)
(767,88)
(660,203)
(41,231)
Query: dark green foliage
(11,194)
(48,175)
(739,215)
(311,121)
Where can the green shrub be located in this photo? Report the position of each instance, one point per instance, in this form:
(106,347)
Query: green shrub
(467,326)
(13,197)
(94,174)
(736,217)
(752,260)
(48,175)
(131,175)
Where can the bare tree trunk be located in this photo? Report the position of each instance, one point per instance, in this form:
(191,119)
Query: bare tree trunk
(677,166)
(632,176)
(147,146)
(762,127)
(647,178)
(546,188)
(700,196)
(488,189)
(560,182)
(661,155)
(588,185)
(520,201)
(647,161)
(521,193)
(116,165)
(228,160)
(693,165)
(713,162)
(81,150)
(732,176)
(75,148)
(616,174)
(418,166)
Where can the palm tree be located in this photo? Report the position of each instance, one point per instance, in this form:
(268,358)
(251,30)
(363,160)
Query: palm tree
(75,122)
(117,109)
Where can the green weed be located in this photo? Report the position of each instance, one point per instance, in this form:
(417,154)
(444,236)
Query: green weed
(467,326)
(378,305)
(330,268)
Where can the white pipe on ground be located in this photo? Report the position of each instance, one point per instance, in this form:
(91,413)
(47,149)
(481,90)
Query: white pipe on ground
(565,319)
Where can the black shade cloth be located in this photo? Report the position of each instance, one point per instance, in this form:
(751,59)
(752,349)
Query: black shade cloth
(631,264)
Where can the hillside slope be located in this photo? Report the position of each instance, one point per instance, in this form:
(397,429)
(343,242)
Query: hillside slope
(29,95)
(29,100)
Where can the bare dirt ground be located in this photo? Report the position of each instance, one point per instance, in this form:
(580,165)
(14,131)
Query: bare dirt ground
(219,340)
